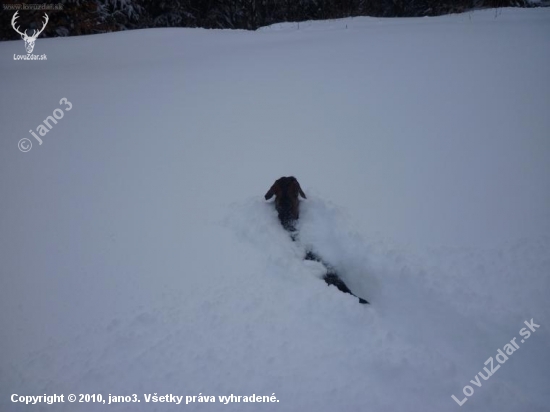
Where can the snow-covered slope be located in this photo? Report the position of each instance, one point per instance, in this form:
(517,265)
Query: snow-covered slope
(138,255)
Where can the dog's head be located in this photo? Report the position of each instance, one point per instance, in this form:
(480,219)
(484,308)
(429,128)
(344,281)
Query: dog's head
(286,191)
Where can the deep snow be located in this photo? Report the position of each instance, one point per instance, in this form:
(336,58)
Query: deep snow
(138,256)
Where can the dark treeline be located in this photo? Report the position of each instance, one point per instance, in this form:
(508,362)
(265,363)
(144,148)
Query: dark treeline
(101,16)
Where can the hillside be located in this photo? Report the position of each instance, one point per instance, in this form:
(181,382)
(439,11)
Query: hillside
(139,256)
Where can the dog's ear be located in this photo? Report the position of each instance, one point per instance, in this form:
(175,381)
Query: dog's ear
(301,191)
(296,189)
(271,191)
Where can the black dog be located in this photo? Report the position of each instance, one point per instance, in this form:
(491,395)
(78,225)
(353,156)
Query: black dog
(287,203)
(286,191)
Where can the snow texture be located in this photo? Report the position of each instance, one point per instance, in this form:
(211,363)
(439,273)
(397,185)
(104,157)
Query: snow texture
(138,255)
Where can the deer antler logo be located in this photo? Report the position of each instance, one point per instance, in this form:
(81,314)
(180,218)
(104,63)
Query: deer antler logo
(29,40)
